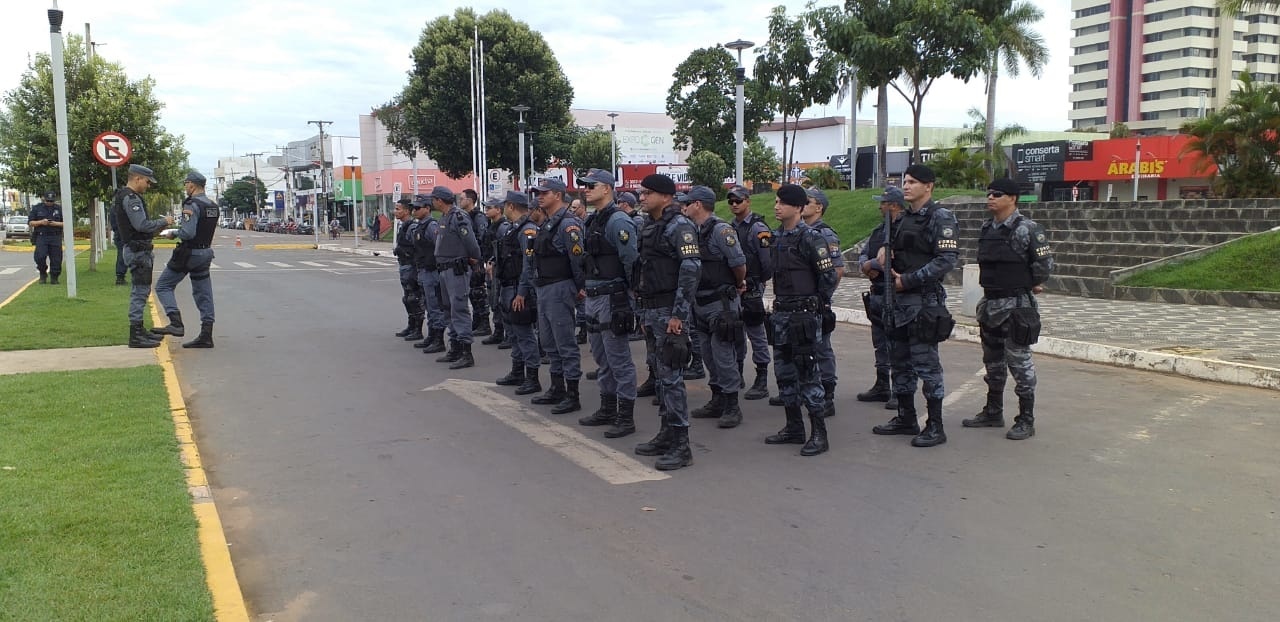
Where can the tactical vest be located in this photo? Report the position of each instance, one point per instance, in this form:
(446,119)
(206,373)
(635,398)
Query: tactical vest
(715,270)
(659,261)
(127,232)
(1001,268)
(793,264)
(874,244)
(553,265)
(424,245)
(602,261)
(911,247)
(404,244)
(510,258)
(450,246)
(205,210)
(754,269)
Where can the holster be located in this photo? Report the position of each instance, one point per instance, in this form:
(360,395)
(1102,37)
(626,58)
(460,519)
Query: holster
(1024,325)
(622,317)
(769,330)
(460,267)
(753,312)
(828,320)
(933,324)
(727,326)
(141,246)
(676,351)
(180,259)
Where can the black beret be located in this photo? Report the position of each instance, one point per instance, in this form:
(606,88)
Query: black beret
(660,184)
(1005,185)
(921,173)
(793,195)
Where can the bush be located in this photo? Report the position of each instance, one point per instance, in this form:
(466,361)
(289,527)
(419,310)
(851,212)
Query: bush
(706,168)
(825,178)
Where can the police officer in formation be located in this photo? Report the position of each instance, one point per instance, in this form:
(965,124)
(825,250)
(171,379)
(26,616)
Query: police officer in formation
(496,227)
(755,239)
(423,236)
(516,298)
(924,250)
(411,290)
(137,232)
(892,202)
(468,202)
(717,312)
(45,222)
(193,256)
(694,370)
(457,254)
(812,216)
(670,262)
(804,280)
(610,244)
(559,280)
(1014,261)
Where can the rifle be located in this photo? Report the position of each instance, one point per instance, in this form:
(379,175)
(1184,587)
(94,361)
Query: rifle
(886,314)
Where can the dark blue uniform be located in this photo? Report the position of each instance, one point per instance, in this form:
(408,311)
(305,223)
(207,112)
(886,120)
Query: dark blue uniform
(457,254)
(47,239)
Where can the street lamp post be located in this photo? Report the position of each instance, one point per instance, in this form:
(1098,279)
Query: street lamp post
(521,109)
(63,141)
(741,80)
(613,145)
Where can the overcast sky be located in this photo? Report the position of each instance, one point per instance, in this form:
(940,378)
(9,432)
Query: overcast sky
(239,76)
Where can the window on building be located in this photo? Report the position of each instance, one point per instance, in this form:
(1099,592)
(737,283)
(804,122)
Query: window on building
(1095,47)
(1260,58)
(1150,116)
(1263,19)
(1094,10)
(1087,67)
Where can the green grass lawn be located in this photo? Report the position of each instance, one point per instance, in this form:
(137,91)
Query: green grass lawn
(43,317)
(95,517)
(1252,264)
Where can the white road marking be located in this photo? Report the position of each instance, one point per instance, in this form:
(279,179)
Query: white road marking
(243,264)
(9,270)
(601,460)
(378,263)
(965,389)
(347,263)
(313,264)
(279,264)
(214,266)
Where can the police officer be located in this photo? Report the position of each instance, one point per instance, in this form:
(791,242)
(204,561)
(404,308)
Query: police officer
(559,280)
(137,231)
(892,202)
(804,280)
(193,256)
(457,255)
(611,254)
(1014,261)
(469,201)
(423,236)
(45,222)
(411,291)
(924,250)
(496,226)
(756,238)
(813,213)
(695,369)
(717,311)
(670,262)
(516,299)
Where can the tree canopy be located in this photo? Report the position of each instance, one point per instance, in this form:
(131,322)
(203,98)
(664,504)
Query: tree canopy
(240,195)
(790,77)
(1243,140)
(760,163)
(701,102)
(593,149)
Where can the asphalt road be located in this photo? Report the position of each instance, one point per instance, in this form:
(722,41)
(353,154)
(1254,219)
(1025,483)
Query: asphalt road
(349,493)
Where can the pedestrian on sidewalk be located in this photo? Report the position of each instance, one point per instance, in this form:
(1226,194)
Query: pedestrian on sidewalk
(1014,261)
(374,224)
(137,232)
(193,256)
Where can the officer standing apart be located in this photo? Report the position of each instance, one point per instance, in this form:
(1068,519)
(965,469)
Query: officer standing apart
(423,236)
(520,308)
(193,256)
(1014,261)
(924,251)
(814,210)
(892,202)
(717,312)
(496,226)
(755,238)
(559,281)
(610,244)
(479,296)
(804,279)
(411,292)
(45,222)
(457,255)
(137,231)
(668,279)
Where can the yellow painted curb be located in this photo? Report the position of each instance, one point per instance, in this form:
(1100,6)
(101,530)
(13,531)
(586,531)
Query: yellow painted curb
(220,574)
(18,293)
(282,247)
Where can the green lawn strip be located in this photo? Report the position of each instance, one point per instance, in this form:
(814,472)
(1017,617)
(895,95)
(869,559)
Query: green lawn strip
(95,517)
(1251,264)
(43,317)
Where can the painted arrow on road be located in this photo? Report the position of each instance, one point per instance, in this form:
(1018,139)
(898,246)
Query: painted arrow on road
(601,460)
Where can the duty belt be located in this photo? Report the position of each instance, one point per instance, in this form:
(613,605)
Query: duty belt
(449,264)
(605,290)
(798,304)
(545,281)
(1004,293)
(657,301)
(196,246)
(709,299)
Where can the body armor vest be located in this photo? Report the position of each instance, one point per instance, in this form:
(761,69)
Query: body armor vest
(715,270)
(602,261)
(424,245)
(404,244)
(659,261)
(1001,267)
(205,210)
(127,232)
(510,257)
(754,269)
(553,265)
(793,265)
(911,247)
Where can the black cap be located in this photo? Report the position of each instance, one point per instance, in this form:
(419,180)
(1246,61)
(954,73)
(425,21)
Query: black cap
(626,197)
(138,169)
(516,198)
(50,196)
(1005,185)
(660,184)
(739,192)
(921,173)
(442,193)
(793,195)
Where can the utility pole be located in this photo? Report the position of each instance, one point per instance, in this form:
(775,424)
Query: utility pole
(288,183)
(355,223)
(257,196)
(323,184)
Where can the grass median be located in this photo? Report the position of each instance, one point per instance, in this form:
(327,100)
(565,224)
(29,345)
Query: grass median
(96,520)
(1249,265)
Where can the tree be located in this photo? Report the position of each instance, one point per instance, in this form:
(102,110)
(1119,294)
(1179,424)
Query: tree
(594,149)
(707,168)
(433,112)
(240,195)
(1120,129)
(960,167)
(789,78)
(997,162)
(1015,43)
(1243,140)
(701,102)
(100,97)
(1233,7)
(760,163)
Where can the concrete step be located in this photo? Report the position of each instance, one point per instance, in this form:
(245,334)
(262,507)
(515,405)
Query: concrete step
(1077,286)
(1085,270)
(1041,212)
(1152,251)
(1113,261)
(1169,238)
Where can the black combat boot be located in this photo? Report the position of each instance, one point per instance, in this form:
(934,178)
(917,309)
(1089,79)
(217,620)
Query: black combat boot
(760,388)
(695,369)
(554,394)
(793,432)
(879,392)
(570,401)
(465,360)
(933,433)
(646,389)
(776,400)
(415,326)
(454,353)
(991,415)
(204,339)
(625,422)
(174,328)
(44,278)
(408,327)
(1024,425)
(120,280)
(817,443)
(426,341)
(53,279)
(499,335)
(828,399)
(480,326)
(508,340)
(678,455)
(659,444)
(513,379)
(606,414)
(531,383)
(905,422)
(731,415)
(434,342)
(892,404)
(711,409)
(140,338)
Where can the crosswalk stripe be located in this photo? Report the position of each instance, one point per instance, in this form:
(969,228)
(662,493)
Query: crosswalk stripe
(377,263)
(346,263)
(9,270)
(214,266)
(313,264)
(279,264)
(243,264)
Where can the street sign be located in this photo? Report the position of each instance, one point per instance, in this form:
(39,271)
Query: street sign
(112,149)
(396,193)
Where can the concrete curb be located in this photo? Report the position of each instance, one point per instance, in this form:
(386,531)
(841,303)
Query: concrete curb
(368,252)
(15,295)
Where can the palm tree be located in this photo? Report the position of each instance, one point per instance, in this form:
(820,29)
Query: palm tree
(1242,140)
(1233,7)
(976,134)
(1015,44)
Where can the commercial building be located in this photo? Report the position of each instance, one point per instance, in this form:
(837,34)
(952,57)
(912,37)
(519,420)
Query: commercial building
(1107,170)
(1155,64)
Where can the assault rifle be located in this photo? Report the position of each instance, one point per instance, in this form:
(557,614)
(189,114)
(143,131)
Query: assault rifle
(886,314)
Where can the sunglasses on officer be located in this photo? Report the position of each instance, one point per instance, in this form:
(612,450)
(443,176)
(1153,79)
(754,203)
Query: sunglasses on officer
(588,185)
(735,201)
(995,194)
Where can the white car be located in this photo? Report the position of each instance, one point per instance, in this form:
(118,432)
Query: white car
(16,227)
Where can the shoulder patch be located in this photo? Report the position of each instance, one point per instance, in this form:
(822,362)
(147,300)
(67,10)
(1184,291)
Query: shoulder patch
(835,249)
(572,228)
(1040,237)
(530,232)
(688,238)
(822,251)
(623,236)
(948,232)
(764,238)
(576,250)
(462,231)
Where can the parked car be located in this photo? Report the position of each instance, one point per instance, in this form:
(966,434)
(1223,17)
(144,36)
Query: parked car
(16,227)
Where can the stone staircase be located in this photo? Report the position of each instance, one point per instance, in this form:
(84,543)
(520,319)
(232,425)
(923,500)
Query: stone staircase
(1091,239)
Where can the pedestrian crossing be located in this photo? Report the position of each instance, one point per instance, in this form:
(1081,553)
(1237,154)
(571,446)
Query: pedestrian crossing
(9,270)
(331,264)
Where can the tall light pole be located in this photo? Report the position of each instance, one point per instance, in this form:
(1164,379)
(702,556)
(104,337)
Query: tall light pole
(355,224)
(741,80)
(315,210)
(64,148)
(613,145)
(521,109)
